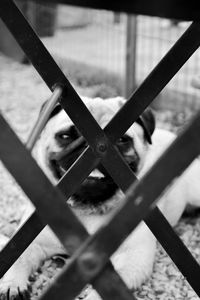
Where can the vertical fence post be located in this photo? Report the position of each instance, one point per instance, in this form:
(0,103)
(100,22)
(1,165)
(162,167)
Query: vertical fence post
(131,52)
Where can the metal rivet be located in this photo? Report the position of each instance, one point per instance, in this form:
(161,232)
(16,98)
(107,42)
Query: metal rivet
(101,147)
(89,263)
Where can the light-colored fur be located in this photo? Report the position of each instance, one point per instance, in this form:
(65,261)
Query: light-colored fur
(134,259)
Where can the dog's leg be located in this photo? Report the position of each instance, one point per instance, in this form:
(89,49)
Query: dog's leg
(14,283)
(134,259)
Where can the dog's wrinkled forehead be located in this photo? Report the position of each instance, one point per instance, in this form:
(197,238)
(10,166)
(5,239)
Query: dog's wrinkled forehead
(102,111)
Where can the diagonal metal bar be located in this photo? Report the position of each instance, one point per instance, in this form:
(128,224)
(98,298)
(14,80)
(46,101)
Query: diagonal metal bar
(140,201)
(158,78)
(12,249)
(19,242)
(175,248)
(48,69)
(37,187)
(66,226)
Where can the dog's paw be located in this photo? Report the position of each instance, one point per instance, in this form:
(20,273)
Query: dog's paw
(14,288)
(12,285)
(12,294)
(135,257)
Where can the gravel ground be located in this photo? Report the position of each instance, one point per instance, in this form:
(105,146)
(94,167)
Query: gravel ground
(22,92)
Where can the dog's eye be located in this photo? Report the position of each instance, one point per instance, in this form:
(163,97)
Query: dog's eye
(123,140)
(62,137)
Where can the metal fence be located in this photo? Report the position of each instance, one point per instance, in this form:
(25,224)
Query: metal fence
(123,48)
(90,259)
(128,47)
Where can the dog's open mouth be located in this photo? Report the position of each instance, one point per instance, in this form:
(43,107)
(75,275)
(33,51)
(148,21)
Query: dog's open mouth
(93,190)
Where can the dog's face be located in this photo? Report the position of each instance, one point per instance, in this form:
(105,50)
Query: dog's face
(61,144)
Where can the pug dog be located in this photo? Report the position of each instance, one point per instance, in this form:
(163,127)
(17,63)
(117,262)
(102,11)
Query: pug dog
(98,197)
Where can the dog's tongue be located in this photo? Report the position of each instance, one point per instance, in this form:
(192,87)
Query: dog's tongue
(97,173)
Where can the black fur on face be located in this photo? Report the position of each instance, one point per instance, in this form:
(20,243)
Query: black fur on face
(95,191)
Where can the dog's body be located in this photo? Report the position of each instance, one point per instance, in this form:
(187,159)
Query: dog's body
(98,197)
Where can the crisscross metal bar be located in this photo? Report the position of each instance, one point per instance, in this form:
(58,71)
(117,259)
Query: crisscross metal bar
(154,83)
(175,248)
(142,191)
(23,237)
(168,61)
(97,133)
(66,226)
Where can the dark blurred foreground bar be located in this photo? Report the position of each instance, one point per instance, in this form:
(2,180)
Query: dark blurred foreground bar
(175,9)
(141,200)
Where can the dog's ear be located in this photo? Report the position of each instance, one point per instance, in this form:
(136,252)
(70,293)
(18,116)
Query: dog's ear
(147,121)
(57,108)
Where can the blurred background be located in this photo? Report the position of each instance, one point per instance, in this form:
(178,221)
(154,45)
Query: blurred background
(110,52)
